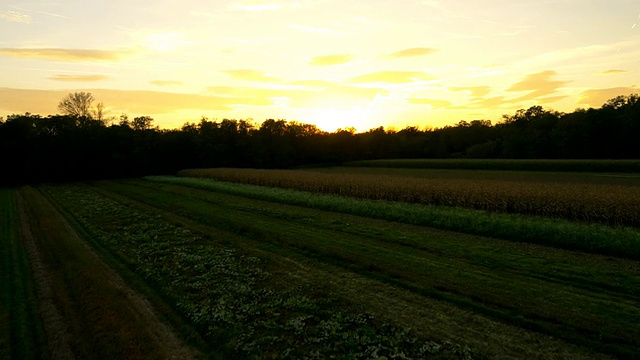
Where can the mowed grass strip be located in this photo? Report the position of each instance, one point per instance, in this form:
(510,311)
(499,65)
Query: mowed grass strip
(593,238)
(557,292)
(98,314)
(21,333)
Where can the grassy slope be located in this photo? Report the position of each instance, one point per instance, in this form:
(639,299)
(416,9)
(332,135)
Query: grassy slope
(588,300)
(21,334)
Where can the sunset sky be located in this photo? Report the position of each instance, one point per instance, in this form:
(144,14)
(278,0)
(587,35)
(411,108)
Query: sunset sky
(333,63)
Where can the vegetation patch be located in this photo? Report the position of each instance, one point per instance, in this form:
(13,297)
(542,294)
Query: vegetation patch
(221,291)
(585,299)
(566,165)
(623,242)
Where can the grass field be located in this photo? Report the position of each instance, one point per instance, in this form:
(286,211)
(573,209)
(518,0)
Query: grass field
(243,271)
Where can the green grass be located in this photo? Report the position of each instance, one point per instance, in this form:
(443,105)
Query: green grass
(583,299)
(615,166)
(594,238)
(227,294)
(21,333)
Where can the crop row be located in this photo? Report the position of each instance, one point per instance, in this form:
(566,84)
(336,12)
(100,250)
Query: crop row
(223,292)
(613,205)
(595,165)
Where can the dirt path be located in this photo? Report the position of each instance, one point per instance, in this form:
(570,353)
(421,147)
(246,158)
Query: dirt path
(56,331)
(61,323)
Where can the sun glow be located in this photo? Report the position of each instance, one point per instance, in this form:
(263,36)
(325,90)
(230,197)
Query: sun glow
(335,64)
(332,119)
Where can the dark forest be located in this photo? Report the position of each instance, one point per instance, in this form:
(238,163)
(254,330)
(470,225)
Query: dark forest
(73,147)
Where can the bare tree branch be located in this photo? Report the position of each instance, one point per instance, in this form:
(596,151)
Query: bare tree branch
(77,104)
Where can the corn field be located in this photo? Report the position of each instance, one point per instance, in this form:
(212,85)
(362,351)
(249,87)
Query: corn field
(609,204)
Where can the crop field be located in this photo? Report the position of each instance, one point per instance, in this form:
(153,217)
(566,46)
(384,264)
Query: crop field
(203,268)
(564,165)
(596,198)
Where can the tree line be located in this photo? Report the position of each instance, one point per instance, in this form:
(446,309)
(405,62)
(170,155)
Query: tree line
(84,144)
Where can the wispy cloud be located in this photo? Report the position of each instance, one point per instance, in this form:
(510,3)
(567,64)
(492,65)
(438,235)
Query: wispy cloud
(314,29)
(131,102)
(70,55)
(612,72)
(329,94)
(330,60)
(251,75)
(164,41)
(597,97)
(538,85)
(475,91)
(391,77)
(255,5)
(39,12)
(313,84)
(418,51)
(78,78)
(434,103)
(13,16)
(435,5)
(166,82)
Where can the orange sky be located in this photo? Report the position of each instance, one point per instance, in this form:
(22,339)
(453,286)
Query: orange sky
(337,64)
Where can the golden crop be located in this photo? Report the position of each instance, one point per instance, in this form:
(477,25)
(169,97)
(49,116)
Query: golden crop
(610,204)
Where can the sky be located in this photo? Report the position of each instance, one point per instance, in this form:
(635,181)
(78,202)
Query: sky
(333,63)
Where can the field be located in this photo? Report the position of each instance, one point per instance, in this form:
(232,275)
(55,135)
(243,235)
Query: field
(334,262)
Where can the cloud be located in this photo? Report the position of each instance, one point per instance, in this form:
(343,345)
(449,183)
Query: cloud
(419,51)
(551,99)
(314,29)
(39,12)
(434,103)
(12,16)
(78,78)
(330,94)
(330,60)
(612,72)
(539,87)
(164,41)
(391,77)
(251,75)
(475,91)
(255,5)
(539,84)
(435,5)
(495,101)
(597,97)
(166,82)
(133,102)
(314,84)
(69,55)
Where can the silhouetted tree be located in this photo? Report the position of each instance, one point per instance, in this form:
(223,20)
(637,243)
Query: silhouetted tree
(77,104)
(142,123)
(72,147)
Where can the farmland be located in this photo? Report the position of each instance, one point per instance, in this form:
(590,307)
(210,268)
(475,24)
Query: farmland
(346,262)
